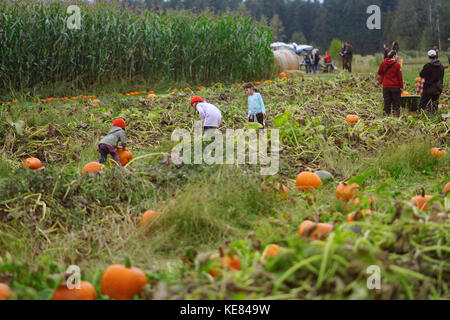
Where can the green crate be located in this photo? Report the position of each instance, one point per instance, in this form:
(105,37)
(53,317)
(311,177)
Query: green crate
(410,102)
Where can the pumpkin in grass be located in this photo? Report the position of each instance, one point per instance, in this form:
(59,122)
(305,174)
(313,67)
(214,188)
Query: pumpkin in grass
(446,188)
(186,89)
(421,200)
(85,292)
(219,85)
(151,96)
(272,251)
(5,292)
(257,83)
(351,118)
(282,75)
(308,181)
(268,82)
(438,153)
(73,98)
(122,283)
(358,215)
(315,231)
(230,263)
(405,94)
(149,217)
(346,191)
(95,101)
(125,156)
(92,167)
(32,163)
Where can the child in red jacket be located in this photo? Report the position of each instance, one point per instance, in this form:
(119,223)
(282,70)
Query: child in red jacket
(392,79)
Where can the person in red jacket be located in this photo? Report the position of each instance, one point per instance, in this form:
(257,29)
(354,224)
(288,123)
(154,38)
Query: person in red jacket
(392,79)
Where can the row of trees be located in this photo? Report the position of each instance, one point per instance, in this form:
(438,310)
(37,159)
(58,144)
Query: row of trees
(416,24)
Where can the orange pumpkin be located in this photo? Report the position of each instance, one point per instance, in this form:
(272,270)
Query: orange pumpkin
(438,153)
(268,82)
(256,83)
(151,96)
(86,292)
(199,89)
(122,283)
(315,231)
(446,188)
(149,217)
(73,98)
(405,94)
(186,89)
(357,215)
(308,181)
(231,263)
(92,167)
(282,75)
(174,90)
(346,191)
(421,200)
(351,118)
(125,156)
(219,85)
(5,292)
(15,101)
(272,251)
(32,163)
(278,188)
(95,101)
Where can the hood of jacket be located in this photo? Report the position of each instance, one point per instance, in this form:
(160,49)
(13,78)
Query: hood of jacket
(435,63)
(114,130)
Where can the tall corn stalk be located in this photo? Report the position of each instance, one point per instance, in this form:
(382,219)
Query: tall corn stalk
(37,48)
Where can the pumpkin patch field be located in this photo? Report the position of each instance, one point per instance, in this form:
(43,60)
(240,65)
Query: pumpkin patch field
(157,230)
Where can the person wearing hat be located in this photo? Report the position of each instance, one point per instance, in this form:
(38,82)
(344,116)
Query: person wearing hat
(391,78)
(210,114)
(433,73)
(108,145)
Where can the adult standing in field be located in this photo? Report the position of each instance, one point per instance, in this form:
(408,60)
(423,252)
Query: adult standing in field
(348,56)
(210,114)
(256,107)
(392,80)
(433,73)
(436,49)
(385,51)
(342,56)
(395,47)
(315,61)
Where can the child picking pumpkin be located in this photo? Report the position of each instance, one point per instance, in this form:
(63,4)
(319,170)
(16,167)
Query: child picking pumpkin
(256,108)
(109,144)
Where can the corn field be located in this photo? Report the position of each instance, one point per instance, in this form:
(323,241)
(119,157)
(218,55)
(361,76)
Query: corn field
(38,48)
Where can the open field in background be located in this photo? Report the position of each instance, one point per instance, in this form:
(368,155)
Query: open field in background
(55,218)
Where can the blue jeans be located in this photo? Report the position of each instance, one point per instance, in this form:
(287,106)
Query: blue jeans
(315,68)
(104,151)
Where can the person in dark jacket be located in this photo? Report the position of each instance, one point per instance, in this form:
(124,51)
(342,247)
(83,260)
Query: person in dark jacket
(342,56)
(392,79)
(315,59)
(348,56)
(385,51)
(395,47)
(433,73)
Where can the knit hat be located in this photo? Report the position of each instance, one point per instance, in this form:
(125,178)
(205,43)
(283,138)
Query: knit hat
(196,99)
(119,123)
